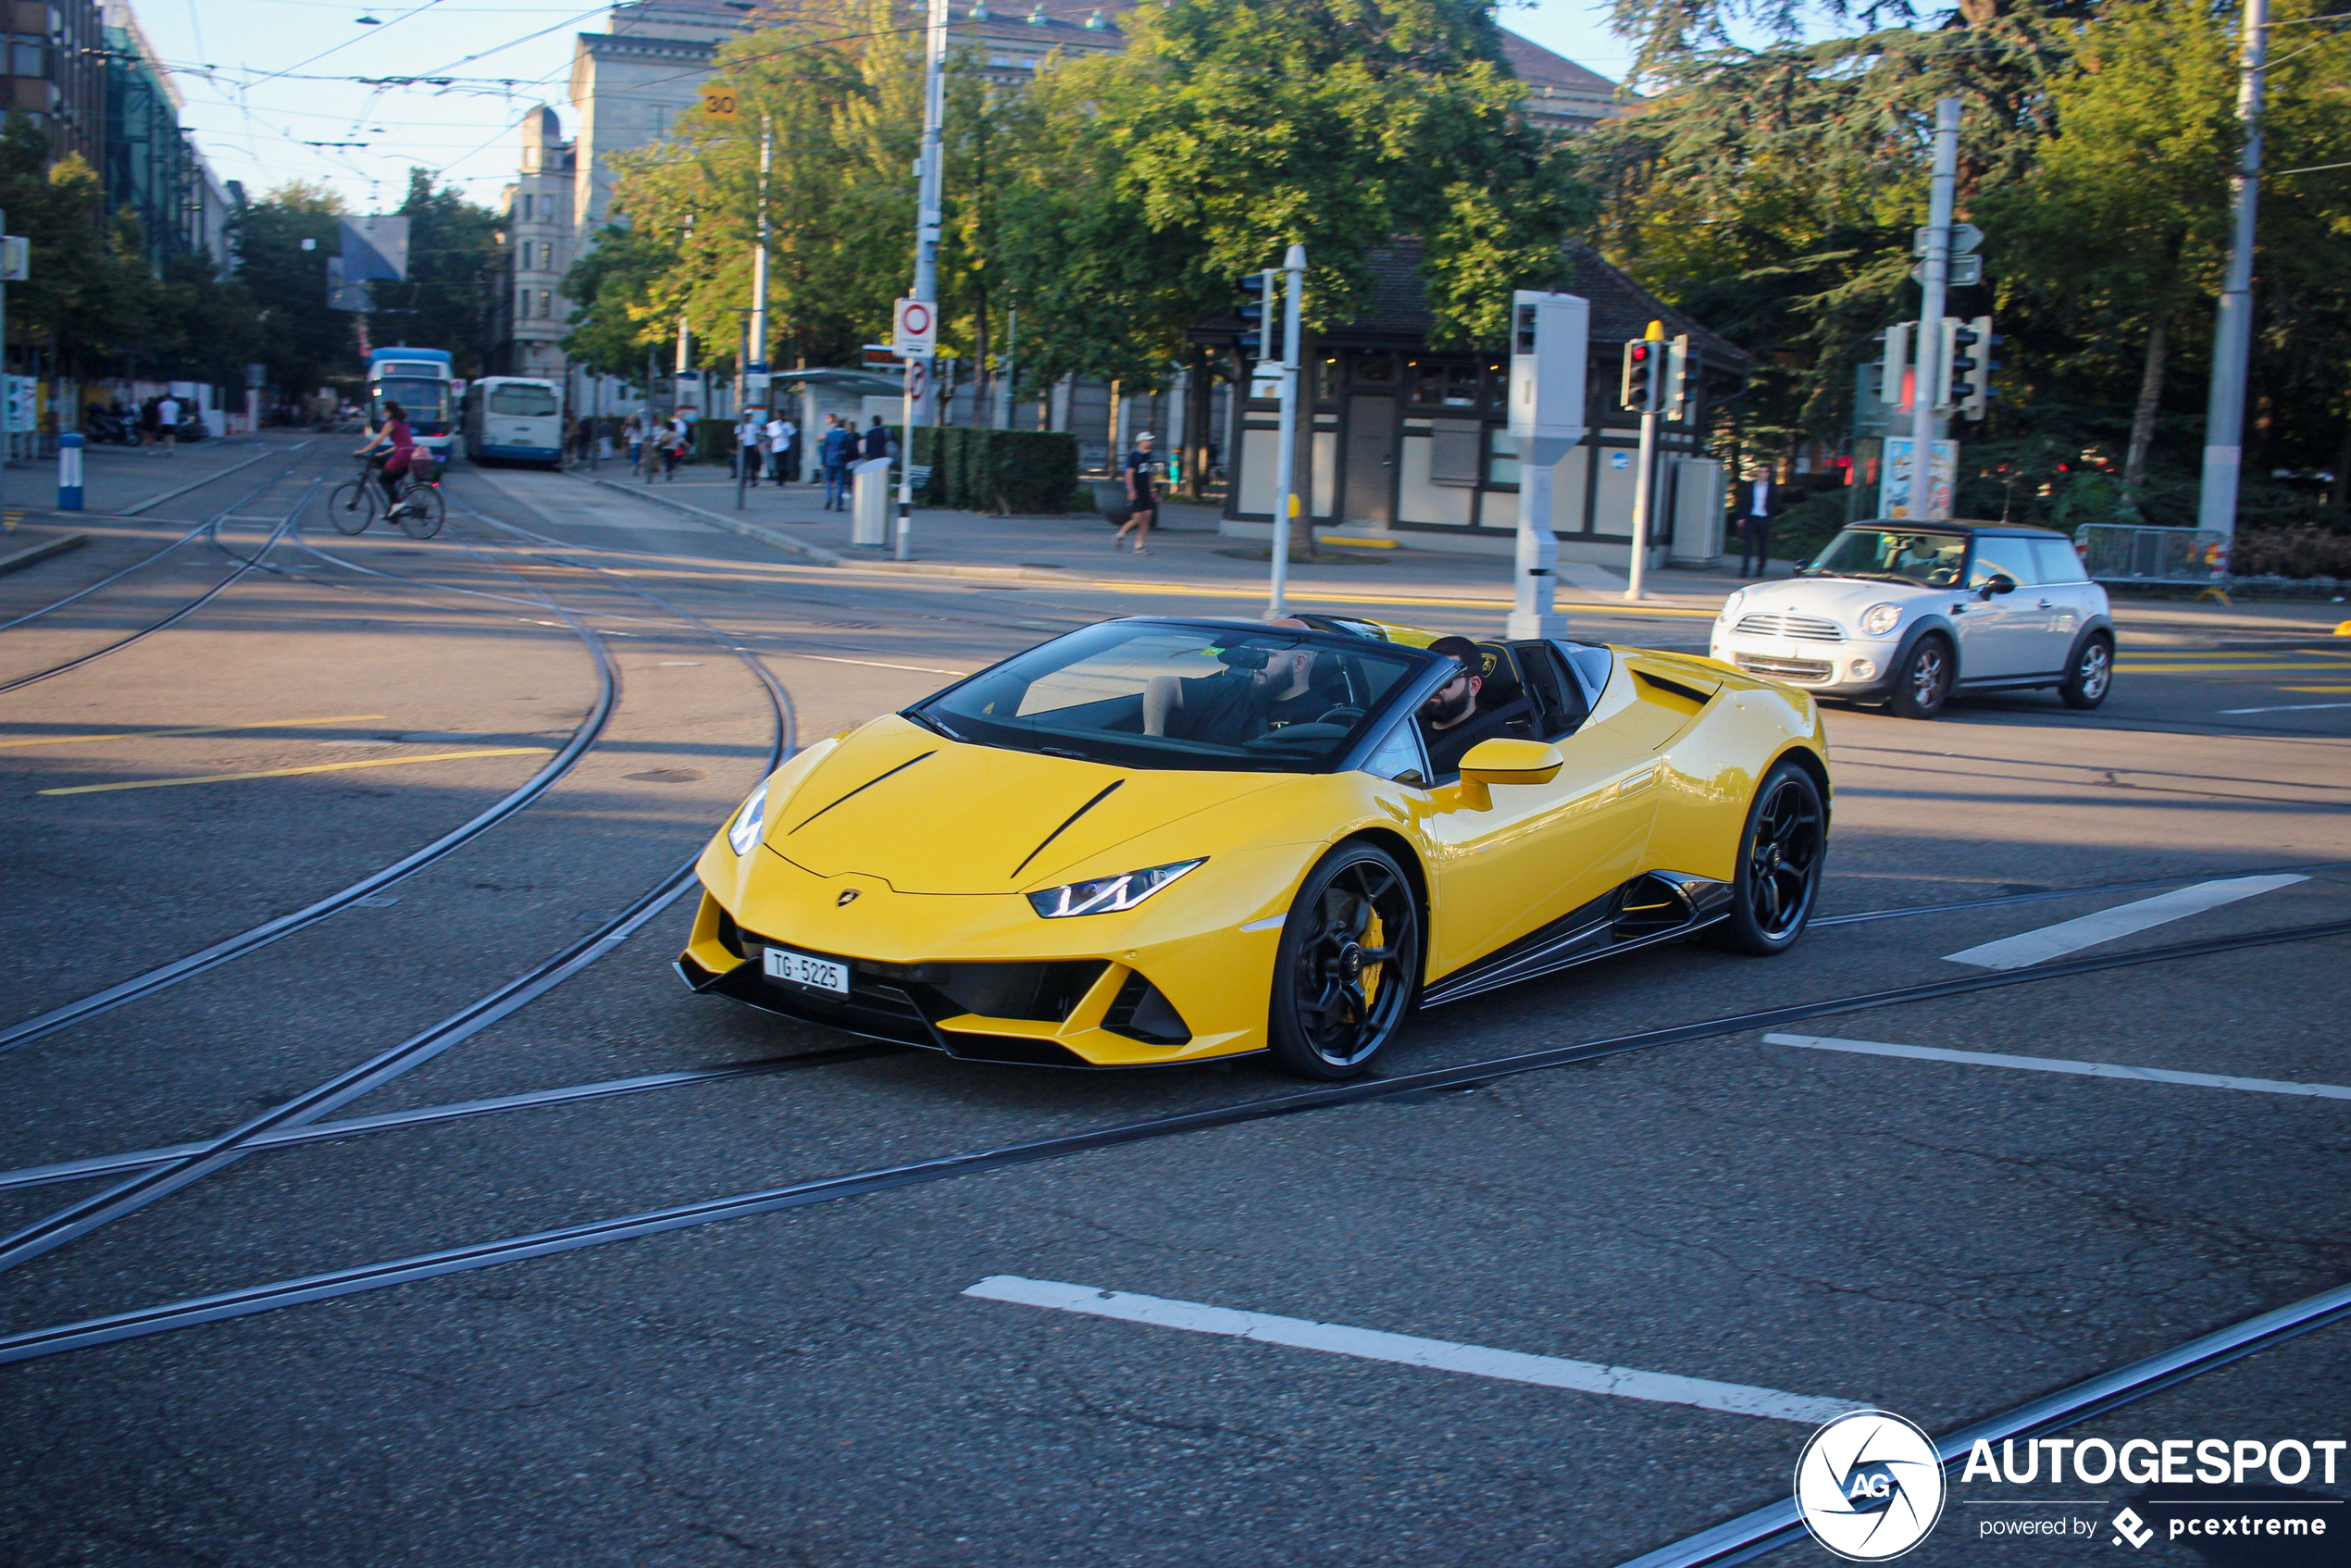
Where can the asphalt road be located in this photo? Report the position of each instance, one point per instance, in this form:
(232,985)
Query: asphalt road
(1765,1207)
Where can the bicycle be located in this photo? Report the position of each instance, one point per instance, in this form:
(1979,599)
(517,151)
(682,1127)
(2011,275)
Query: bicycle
(417,507)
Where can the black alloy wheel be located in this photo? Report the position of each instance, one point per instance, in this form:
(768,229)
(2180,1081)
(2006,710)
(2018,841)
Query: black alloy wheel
(2091,676)
(1923,683)
(1780,859)
(351,506)
(1349,965)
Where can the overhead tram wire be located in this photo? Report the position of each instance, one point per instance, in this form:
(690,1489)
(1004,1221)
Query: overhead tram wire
(30,1344)
(201,1160)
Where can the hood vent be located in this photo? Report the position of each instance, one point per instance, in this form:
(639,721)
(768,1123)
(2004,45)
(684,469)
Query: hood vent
(859,790)
(1062,828)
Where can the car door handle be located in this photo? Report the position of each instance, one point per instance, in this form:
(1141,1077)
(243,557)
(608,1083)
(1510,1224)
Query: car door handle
(2048,604)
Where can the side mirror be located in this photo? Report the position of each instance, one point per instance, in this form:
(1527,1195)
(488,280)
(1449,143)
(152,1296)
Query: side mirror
(1504,761)
(1999,582)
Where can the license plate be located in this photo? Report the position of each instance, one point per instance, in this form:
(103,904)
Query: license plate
(802,969)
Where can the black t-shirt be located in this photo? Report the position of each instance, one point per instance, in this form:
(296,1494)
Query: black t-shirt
(1304,708)
(1448,747)
(1223,709)
(1141,468)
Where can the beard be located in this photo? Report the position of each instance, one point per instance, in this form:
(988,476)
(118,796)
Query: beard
(1446,714)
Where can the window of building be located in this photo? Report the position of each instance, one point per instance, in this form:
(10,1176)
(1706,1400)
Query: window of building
(526,209)
(546,303)
(27,56)
(522,303)
(1447,386)
(1374,370)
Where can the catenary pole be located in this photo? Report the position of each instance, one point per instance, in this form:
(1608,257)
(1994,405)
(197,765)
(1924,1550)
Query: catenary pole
(2232,329)
(922,388)
(1928,387)
(1285,443)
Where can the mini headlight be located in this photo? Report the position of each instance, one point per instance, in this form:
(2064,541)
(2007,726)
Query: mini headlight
(1879,619)
(1729,605)
(751,823)
(1105,895)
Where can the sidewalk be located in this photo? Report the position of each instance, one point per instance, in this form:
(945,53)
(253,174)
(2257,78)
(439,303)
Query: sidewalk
(1185,549)
(123,481)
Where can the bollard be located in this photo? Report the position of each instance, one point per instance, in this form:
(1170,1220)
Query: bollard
(69,471)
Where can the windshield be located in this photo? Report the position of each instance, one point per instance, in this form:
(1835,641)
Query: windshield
(1159,694)
(1931,560)
(422,399)
(522,400)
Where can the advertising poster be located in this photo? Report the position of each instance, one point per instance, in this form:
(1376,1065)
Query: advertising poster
(1894,488)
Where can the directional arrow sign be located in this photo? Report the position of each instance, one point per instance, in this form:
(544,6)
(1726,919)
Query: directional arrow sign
(1965,270)
(1965,236)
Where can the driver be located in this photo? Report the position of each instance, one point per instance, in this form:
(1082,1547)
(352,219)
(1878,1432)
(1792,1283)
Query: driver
(1261,688)
(1450,720)
(1920,555)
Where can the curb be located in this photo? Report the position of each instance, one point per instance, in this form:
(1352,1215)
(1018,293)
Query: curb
(41,552)
(817,553)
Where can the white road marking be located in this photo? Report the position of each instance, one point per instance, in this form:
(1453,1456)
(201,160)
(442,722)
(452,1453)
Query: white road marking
(1406,1350)
(2060,1065)
(871,664)
(2072,936)
(2287,708)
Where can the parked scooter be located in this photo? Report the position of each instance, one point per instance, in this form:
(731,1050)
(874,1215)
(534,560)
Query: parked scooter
(107,424)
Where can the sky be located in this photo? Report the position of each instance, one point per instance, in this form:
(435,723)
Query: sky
(266,81)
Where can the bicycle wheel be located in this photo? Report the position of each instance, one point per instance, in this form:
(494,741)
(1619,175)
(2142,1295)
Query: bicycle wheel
(351,506)
(425,511)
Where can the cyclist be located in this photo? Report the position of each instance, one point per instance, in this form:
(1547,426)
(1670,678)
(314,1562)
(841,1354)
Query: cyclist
(400,444)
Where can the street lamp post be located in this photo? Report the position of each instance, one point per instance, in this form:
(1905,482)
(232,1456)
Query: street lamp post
(1286,448)
(2232,329)
(1932,374)
(920,384)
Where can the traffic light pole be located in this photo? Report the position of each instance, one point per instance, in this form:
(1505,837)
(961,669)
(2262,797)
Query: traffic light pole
(1933,375)
(1286,454)
(1645,479)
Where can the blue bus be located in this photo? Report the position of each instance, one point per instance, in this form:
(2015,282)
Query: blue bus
(420,381)
(517,419)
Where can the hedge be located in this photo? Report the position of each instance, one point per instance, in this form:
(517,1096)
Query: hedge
(1027,473)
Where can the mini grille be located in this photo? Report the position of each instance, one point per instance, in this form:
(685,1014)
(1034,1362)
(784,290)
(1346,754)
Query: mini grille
(1803,628)
(1786,669)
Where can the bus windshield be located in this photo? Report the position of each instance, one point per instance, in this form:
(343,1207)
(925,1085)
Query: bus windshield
(423,399)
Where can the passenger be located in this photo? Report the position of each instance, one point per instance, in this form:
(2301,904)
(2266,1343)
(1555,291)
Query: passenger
(1450,719)
(1260,689)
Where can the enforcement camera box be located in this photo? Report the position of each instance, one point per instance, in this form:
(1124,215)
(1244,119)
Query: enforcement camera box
(1548,339)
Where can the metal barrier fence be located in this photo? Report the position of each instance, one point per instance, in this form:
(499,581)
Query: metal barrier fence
(2127,552)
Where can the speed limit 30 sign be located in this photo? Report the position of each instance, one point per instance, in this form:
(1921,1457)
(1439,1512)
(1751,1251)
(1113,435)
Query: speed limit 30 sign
(917,333)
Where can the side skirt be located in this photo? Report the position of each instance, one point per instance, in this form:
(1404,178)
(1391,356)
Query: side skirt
(1659,906)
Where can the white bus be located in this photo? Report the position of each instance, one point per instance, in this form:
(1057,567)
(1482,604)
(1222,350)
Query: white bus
(515,417)
(417,379)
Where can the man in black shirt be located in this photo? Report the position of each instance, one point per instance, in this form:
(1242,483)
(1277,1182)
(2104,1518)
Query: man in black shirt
(1241,702)
(1141,470)
(1450,720)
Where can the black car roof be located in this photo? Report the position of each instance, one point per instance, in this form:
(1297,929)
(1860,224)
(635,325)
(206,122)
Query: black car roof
(1958,525)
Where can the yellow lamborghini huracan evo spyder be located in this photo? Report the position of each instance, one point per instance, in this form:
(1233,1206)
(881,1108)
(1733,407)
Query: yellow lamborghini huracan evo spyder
(1157,840)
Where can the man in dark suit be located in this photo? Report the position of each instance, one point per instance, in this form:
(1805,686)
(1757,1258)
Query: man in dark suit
(877,442)
(1757,496)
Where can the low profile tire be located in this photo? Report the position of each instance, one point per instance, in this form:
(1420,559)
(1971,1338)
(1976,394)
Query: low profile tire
(1923,683)
(351,506)
(1780,858)
(1350,958)
(2091,676)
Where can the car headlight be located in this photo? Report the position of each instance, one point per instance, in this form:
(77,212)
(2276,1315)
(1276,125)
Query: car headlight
(751,823)
(1105,895)
(1729,605)
(1879,619)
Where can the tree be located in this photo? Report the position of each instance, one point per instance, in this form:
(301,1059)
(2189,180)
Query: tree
(300,341)
(453,276)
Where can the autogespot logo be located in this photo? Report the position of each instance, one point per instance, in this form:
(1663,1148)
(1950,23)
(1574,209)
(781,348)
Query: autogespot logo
(1869,1485)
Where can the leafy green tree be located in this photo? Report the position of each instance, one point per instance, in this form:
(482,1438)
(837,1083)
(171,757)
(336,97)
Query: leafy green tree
(300,340)
(453,276)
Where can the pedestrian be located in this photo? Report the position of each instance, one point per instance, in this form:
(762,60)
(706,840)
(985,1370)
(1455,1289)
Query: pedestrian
(586,439)
(168,423)
(680,435)
(751,446)
(877,442)
(839,445)
(783,437)
(633,432)
(1142,496)
(147,426)
(1755,521)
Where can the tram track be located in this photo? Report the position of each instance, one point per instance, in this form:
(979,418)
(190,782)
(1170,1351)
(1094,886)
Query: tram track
(29,1344)
(236,574)
(152,1180)
(136,1160)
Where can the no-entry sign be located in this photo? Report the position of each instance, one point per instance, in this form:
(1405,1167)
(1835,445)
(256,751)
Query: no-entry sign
(917,329)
